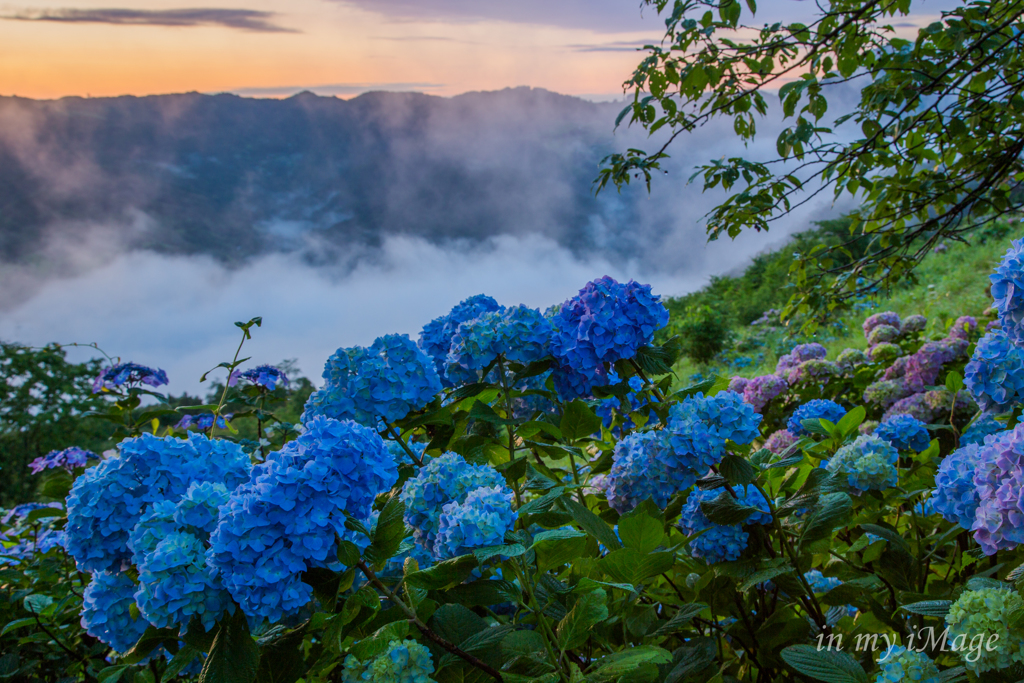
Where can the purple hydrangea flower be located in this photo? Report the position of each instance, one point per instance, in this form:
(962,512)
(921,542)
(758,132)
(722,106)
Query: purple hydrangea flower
(999,480)
(885,352)
(883,333)
(801,353)
(850,358)
(781,440)
(886,392)
(914,323)
(738,384)
(933,406)
(817,371)
(963,328)
(123,374)
(760,390)
(266,376)
(69,459)
(889,318)
(1008,291)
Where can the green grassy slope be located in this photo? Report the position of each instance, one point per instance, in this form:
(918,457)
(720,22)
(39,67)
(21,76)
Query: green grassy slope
(946,286)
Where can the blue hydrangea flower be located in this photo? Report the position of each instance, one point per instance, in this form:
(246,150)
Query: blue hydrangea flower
(904,432)
(900,665)
(401,456)
(980,428)
(995,373)
(698,429)
(383,382)
(68,459)
(108,500)
(638,473)
(106,611)
(441,481)
(955,497)
(405,661)
(481,520)
(818,408)
(266,376)
(720,543)
(436,337)
(1008,291)
(202,422)
(606,322)
(117,376)
(820,583)
(520,334)
(869,463)
(176,583)
(287,517)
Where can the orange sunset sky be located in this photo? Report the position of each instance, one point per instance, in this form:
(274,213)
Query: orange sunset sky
(275,48)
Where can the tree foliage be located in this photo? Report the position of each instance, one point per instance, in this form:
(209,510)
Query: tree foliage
(932,148)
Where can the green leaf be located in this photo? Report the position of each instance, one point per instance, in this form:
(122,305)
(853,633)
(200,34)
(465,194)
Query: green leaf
(833,510)
(929,608)
(954,381)
(484,592)
(888,534)
(681,619)
(830,666)
(630,665)
(186,655)
(574,629)
(848,423)
(640,531)
(37,603)
(542,504)
(43,513)
(388,534)
(234,656)
(591,523)
(510,550)
(16,624)
(348,553)
(112,674)
(694,658)
(443,574)
(737,470)
(578,421)
(281,659)
(725,510)
(629,566)
(558,546)
(378,642)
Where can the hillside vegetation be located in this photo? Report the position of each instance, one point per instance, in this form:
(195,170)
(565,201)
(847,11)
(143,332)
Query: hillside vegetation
(738,312)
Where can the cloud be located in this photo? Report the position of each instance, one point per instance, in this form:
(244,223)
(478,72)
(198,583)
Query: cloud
(176,312)
(608,16)
(616,46)
(241,19)
(335,89)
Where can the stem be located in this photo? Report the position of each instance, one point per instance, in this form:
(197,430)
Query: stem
(511,432)
(549,638)
(227,384)
(398,437)
(424,629)
(654,389)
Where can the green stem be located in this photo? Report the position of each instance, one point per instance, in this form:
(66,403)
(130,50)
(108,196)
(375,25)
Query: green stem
(511,432)
(640,372)
(398,437)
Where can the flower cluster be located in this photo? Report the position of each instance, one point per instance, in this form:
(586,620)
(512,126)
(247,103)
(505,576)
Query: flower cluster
(68,459)
(22,539)
(955,497)
(759,391)
(963,328)
(935,405)
(638,472)
(718,542)
(995,373)
(882,334)
(985,615)
(481,520)
(801,353)
(998,478)
(885,352)
(818,409)
(607,407)
(886,392)
(404,661)
(1008,291)
(980,428)
(122,374)
(107,611)
(202,422)
(266,376)
(606,322)
(900,665)
(287,517)
(520,334)
(850,358)
(904,432)
(779,441)
(108,500)
(914,323)
(888,318)
(381,383)
(698,429)
(450,479)
(436,336)
(869,463)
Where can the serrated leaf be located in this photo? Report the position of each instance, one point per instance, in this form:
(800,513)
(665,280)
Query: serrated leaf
(443,574)
(681,619)
(929,608)
(833,510)
(578,421)
(737,470)
(640,531)
(234,656)
(592,524)
(388,534)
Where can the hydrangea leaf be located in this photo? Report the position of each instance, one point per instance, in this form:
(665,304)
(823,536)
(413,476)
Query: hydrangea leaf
(591,523)
(375,644)
(833,510)
(640,531)
(681,619)
(574,629)
(578,421)
(443,574)
(624,665)
(829,666)
(234,656)
(929,608)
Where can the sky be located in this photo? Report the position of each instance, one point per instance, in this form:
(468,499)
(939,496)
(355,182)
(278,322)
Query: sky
(275,48)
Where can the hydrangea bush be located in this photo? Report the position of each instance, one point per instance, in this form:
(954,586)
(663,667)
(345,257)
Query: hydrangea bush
(532,497)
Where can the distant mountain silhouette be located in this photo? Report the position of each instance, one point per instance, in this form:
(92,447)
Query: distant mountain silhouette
(233,177)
